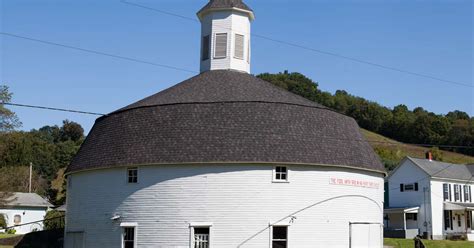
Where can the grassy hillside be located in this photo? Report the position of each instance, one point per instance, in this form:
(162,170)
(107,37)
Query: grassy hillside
(392,154)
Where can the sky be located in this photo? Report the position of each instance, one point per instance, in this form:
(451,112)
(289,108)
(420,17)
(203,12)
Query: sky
(427,37)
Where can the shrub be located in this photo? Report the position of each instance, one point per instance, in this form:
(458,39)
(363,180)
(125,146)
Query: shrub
(11,231)
(54,220)
(3,221)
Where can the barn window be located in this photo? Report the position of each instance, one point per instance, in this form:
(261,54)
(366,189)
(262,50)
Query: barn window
(200,234)
(280,174)
(205,47)
(221,46)
(17,219)
(239,46)
(132,175)
(279,236)
(201,237)
(129,237)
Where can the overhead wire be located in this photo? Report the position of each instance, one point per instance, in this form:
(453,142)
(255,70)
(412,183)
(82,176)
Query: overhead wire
(307,48)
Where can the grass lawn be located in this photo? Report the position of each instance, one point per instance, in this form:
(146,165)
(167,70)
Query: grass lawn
(408,243)
(4,235)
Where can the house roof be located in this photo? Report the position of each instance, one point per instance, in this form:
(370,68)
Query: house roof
(18,199)
(443,169)
(224,117)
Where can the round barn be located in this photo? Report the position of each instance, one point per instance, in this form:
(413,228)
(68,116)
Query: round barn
(225,159)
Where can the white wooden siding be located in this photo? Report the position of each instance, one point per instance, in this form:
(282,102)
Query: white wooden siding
(431,203)
(408,173)
(28,214)
(230,22)
(240,200)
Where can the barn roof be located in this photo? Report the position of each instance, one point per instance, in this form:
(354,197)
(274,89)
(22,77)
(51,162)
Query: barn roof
(224,116)
(19,199)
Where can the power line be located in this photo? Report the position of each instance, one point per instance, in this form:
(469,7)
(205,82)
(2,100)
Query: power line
(50,108)
(292,44)
(244,130)
(99,53)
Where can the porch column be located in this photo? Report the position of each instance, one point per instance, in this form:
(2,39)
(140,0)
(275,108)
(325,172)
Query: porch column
(404,221)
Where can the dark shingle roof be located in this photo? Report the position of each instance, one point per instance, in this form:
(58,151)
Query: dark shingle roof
(224,116)
(224,4)
(444,170)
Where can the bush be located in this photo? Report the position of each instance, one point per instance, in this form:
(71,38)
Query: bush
(54,220)
(3,221)
(11,231)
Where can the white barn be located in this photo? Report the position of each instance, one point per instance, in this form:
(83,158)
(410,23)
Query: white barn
(22,209)
(430,198)
(225,159)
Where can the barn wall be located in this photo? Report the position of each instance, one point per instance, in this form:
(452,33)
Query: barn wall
(239,200)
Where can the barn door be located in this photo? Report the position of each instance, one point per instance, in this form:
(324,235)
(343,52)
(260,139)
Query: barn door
(74,240)
(365,235)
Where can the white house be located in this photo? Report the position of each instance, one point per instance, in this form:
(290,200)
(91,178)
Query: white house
(23,208)
(430,198)
(225,159)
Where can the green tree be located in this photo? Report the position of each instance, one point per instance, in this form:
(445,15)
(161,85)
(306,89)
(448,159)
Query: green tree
(8,119)
(54,220)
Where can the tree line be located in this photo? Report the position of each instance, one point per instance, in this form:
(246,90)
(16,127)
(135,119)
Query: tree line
(417,126)
(49,149)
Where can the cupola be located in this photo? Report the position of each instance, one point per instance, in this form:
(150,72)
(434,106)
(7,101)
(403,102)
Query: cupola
(225,35)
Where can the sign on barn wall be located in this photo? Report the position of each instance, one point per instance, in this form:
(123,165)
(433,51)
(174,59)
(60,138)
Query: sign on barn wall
(354,182)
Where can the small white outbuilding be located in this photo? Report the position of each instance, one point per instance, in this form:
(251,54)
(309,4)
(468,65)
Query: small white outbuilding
(225,159)
(23,208)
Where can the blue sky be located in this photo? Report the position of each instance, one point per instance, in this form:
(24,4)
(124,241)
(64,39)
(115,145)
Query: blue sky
(429,37)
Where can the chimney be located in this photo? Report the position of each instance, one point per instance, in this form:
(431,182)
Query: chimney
(429,156)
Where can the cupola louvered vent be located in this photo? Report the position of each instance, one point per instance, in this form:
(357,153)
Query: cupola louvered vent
(221,46)
(239,46)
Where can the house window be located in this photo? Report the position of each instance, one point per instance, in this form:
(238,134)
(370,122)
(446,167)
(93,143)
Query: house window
(239,46)
(468,219)
(412,216)
(132,175)
(201,237)
(456,192)
(221,46)
(409,187)
(17,219)
(467,193)
(446,192)
(281,173)
(448,221)
(205,47)
(129,237)
(279,236)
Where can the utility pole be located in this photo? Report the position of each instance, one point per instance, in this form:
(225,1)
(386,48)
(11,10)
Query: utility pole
(31,171)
